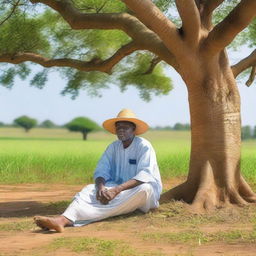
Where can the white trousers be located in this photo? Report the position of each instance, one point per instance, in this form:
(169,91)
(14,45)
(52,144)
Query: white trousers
(85,208)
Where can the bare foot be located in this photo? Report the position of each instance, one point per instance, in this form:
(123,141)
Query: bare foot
(48,223)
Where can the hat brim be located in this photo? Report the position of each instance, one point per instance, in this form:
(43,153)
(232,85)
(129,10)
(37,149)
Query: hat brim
(141,127)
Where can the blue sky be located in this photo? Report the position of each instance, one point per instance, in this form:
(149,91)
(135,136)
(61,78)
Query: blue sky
(161,110)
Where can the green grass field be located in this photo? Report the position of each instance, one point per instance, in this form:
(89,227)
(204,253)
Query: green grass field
(60,156)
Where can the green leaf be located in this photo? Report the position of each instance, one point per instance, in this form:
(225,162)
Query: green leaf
(7,78)
(39,79)
(156,82)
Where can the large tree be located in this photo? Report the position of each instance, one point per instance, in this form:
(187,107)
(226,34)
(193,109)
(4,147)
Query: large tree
(95,42)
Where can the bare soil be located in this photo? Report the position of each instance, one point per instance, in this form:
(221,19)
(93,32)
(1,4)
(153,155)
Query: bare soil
(19,203)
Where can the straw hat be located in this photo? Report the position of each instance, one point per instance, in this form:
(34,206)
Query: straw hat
(125,115)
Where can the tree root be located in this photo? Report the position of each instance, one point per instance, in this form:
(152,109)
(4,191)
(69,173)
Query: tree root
(177,193)
(207,196)
(246,191)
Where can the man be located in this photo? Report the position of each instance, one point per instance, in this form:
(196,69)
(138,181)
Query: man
(126,178)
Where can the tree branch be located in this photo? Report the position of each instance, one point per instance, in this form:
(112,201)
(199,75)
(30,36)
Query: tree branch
(95,64)
(153,63)
(244,64)
(79,20)
(155,20)
(11,13)
(224,33)
(144,37)
(211,5)
(252,76)
(207,10)
(190,17)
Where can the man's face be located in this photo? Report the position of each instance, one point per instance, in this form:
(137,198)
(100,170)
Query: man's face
(125,130)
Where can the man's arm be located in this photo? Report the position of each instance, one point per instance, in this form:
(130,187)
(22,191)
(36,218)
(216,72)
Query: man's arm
(100,186)
(110,194)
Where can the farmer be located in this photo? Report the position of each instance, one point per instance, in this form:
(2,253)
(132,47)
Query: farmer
(126,178)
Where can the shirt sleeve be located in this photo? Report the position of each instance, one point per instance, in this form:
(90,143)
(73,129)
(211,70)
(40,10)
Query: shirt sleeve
(147,169)
(103,168)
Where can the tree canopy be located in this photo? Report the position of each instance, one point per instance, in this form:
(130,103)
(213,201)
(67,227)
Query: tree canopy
(26,122)
(48,124)
(93,44)
(83,125)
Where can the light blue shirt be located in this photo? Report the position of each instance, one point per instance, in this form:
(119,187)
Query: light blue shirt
(138,161)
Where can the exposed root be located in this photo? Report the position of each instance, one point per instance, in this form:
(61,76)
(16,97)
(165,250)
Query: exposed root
(207,196)
(236,198)
(251,199)
(204,201)
(176,193)
(246,191)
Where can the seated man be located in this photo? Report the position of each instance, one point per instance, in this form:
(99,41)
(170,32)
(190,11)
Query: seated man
(126,178)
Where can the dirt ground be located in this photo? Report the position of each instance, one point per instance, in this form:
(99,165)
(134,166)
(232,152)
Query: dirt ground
(19,236)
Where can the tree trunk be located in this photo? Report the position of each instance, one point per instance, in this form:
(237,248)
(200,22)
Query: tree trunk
(85,135)
(214,178)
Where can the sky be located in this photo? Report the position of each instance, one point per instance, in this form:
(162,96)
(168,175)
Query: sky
(47,103)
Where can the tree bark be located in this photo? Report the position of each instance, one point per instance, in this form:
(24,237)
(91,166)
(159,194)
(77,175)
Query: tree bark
(214,178)
(85,135)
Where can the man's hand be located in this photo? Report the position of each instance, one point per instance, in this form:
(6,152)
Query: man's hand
(111,193)
(100,186)
(105,195)
(100,190)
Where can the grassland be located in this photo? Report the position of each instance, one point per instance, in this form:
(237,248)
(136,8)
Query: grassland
(60,156)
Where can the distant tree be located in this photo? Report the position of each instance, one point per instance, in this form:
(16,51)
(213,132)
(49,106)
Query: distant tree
(1,124)
(177,126)
(181,127)
(246,132)
(168,127)
(187,127)
(48,124)
(26,122)
(254,132)
(162,128)
(83,125)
